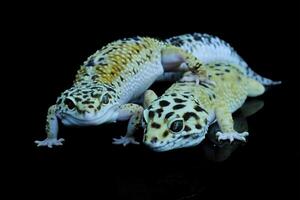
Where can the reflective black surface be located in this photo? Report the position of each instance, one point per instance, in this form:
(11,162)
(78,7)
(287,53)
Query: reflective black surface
(88,165)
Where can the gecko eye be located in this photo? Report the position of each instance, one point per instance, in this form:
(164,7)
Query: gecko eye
(176,125)
(105,98)
(69,103)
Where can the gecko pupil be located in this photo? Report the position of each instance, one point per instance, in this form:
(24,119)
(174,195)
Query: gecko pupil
(177,126)
(69,103)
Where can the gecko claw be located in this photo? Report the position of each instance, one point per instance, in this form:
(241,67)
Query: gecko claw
(231,136)
(124,140)
(49,142)
(191,77)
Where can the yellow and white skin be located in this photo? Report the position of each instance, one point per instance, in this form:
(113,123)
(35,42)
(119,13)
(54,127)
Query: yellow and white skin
(110,79)
(181,116)
(123,70)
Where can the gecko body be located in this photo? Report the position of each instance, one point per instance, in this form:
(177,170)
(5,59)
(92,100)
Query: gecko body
(182,115)
(123,70)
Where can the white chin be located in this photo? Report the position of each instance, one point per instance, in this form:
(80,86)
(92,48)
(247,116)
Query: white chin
(178,145)
(91,119)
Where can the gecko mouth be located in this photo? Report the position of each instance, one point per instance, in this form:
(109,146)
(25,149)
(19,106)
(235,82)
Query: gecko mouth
(97,118)
(180,142)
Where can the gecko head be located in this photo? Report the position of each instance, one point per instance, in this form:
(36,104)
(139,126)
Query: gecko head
(174,121)
(87,104)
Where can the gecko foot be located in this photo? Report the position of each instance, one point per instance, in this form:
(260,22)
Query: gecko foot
(125,140)
(191,77)
(232,136)
(49,142)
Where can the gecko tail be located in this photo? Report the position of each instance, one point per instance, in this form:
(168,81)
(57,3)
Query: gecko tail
(264,81)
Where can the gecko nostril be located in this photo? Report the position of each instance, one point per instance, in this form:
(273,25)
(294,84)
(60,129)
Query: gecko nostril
(154,140)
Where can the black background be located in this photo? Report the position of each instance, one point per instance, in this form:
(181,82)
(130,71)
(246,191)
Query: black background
(51,41)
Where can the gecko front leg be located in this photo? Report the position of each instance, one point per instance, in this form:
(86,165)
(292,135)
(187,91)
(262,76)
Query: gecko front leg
(133,112)
(51,130)
(225,121)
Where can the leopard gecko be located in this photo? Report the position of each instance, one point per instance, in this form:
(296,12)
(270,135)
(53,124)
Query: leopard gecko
(121,71)
(181,116)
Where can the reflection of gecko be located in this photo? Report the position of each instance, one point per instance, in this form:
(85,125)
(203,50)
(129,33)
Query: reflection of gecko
(219,151)
(182,115)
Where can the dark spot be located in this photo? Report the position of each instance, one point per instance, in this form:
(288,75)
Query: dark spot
(95,95)
(166,133)
(185,96)
(198,126)
(110,89)
(173,94)
(169,115)
(219,74)
(164,103)
(204,85)
(98,107)
(239,78)
(77,99)
(176,42)
(154,140)
(227,70)
(214,96)
(91,106)
(187,128)
(90,62)
(159,111)
(186,136)
(87,102)
(199,109)
(178,106)
(217,64)
(95,77)
(121,78)
(155,125)
(188,115)
(205,121)
(197,36)
(151,114)
(177,100)
(100,59)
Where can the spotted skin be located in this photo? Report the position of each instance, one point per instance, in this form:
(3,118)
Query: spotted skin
(210,48)
(122,71)
(110,78)
(192,108)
